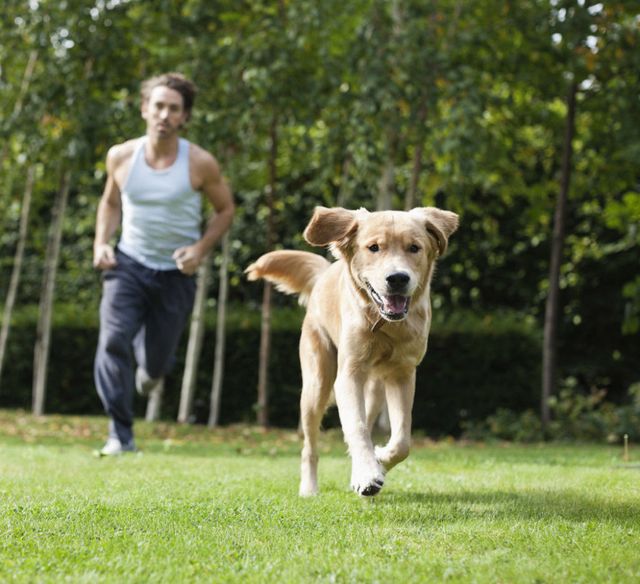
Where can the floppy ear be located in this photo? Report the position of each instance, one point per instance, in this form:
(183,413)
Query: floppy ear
(440,224)
(330,226)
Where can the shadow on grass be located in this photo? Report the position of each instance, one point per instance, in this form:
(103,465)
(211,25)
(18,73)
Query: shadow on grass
(531,504)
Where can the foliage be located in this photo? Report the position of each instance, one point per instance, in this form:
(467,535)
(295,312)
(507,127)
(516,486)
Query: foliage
(491,357)
(222,506)
(465,98)
(576,416)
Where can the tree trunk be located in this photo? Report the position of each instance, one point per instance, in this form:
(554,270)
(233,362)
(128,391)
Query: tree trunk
(549,350)
(343,193)
(17,266)
(218,362)
(412,191)
(43,332)
(24,88)
(194,347)
(154,403)
(265,333)
(416,168)
(386,184)
(265,349)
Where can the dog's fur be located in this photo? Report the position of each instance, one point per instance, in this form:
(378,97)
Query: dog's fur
(366,326)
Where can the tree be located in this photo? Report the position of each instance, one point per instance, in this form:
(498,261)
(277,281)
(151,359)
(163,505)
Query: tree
(462,105)
(218,363)
(43,335)
(549,353)
(17,265)
(194,347)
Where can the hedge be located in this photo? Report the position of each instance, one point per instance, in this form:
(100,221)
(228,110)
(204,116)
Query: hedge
(473,366)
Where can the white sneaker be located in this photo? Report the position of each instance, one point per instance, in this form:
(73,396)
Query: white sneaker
(113,447)
(145,384)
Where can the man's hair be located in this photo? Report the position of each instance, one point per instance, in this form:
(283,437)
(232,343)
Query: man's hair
(175,81)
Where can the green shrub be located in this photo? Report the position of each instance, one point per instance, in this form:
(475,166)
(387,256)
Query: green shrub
(481,376)
(505,424)
(575,416)
(474,365)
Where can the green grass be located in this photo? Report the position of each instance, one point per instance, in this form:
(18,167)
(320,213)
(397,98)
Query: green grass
(222,506)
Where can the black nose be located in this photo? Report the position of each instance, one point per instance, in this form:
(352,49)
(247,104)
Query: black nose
(398,280)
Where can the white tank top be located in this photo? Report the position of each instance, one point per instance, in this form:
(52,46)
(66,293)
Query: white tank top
(160,210)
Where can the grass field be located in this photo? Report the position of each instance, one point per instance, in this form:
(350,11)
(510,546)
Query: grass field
(200,506)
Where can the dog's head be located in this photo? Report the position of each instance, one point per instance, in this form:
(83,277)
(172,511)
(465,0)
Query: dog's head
(390,254)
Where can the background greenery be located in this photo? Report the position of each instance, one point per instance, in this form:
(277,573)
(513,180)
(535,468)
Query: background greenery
(354,91)
(466,360)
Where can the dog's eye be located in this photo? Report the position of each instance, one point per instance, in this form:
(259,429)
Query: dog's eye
(414,248)
(374,248)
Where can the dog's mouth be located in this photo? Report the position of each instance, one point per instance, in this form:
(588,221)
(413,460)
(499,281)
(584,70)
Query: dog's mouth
(392,306)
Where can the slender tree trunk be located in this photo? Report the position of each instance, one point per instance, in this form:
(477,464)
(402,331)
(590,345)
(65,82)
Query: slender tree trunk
(385,186)
(194,347)
(154,403)
(24,88)
(265,333)
(549,351)
(265,350)
(386,183)
(218,362)
(343,193)
(43,333)
(416,167)
(17,266)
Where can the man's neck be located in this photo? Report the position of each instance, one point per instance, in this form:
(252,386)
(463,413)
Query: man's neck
(161,152)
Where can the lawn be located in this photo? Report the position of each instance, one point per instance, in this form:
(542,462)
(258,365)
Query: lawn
(201,506)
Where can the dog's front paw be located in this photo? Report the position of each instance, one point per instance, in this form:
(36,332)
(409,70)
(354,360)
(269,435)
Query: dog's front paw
(382,456)
(391,454)
(367,483)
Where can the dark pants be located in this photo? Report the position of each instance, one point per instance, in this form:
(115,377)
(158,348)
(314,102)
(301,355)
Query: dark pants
(143,313)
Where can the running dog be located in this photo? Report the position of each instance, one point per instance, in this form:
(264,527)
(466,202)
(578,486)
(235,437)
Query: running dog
(366,327)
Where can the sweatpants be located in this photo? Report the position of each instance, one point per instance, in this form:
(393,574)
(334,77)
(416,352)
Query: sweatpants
(143,313)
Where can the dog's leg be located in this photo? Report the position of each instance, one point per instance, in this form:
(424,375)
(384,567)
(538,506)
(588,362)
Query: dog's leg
(318,361)
(399,393)
(373,401)
(367,475)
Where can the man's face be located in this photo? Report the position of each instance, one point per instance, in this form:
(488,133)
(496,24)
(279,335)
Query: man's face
(164,112)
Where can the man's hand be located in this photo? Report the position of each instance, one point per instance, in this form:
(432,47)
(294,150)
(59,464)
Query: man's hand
(188,259)
(104,258)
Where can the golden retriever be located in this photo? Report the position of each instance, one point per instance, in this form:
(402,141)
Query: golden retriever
(366,327)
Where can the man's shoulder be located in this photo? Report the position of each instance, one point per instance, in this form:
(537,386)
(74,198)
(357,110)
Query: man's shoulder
(202,159)
(120,153)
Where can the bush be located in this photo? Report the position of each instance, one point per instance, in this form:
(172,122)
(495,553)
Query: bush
(474,365)
(575,416)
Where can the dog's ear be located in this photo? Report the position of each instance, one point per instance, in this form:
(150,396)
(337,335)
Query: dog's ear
(331,226)
(440,224)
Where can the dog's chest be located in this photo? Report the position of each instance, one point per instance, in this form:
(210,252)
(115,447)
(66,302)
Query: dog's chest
(396,348)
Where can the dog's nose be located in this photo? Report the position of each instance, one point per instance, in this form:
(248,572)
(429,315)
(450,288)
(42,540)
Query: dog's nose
(398,280)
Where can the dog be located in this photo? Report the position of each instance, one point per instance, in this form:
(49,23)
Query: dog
(366,327)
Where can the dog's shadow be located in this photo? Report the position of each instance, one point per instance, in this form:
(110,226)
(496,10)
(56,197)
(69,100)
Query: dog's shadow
(528,505)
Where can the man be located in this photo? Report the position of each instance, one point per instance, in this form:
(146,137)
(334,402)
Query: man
(154,186)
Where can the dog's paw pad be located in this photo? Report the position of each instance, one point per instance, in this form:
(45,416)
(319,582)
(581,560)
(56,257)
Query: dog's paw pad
(370,489)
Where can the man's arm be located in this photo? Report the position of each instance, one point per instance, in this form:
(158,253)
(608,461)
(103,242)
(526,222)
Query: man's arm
(108,217)
(214,187)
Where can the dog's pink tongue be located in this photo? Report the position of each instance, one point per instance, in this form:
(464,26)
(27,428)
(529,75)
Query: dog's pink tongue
(395,304)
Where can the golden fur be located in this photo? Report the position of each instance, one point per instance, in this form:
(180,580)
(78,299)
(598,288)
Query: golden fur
(366,326)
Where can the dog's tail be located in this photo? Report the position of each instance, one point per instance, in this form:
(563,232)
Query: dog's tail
(292,272)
